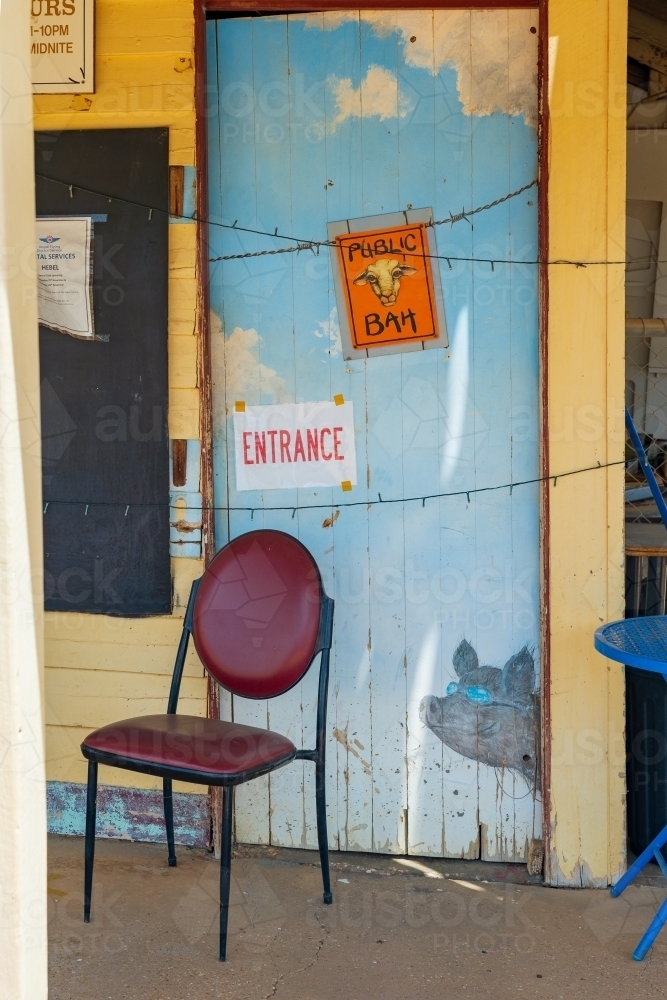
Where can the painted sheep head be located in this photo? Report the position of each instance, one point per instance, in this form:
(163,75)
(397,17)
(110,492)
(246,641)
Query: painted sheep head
(384,277)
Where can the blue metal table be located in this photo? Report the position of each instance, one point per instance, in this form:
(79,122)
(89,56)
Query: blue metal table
(640,642)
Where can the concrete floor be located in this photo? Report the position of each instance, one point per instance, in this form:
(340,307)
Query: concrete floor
(395,931)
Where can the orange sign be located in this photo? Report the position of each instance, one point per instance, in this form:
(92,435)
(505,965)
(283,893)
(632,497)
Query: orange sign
(388,285)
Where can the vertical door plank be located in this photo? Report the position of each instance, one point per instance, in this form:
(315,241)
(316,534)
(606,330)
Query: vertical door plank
(454,190)
(236,356)
(304,141)
(380,174)
(313,378)
(273,193)
(492,391)
(418,402)
(351,714)
(523,582)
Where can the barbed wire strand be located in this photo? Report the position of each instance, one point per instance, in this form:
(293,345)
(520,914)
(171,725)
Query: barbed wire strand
(463,214)
(423,497)
(315,245)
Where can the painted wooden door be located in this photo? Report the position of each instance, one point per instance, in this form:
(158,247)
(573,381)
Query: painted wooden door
(434,707)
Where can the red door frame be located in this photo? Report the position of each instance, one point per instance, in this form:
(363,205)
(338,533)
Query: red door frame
(201,8)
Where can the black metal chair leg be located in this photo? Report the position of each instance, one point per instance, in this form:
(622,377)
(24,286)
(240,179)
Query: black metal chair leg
(322,839)
(91,813)
(225,866)
(169,820)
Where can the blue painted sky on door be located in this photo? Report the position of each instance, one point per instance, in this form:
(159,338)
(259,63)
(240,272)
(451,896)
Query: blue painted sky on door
(317,118)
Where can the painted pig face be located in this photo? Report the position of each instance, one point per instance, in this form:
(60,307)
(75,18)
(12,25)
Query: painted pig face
(490,715)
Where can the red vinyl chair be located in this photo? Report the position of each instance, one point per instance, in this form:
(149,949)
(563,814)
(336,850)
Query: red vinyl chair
(258,617)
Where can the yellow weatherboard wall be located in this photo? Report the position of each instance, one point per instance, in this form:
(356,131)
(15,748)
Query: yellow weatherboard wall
(98,668)
(587,57)
(101,668)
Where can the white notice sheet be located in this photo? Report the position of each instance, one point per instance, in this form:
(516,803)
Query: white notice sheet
(286,445)
(64,274)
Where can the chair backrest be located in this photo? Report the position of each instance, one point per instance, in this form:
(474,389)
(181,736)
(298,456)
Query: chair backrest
(257,613)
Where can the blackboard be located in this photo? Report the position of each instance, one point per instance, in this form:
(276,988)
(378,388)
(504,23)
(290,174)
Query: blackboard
(104,403)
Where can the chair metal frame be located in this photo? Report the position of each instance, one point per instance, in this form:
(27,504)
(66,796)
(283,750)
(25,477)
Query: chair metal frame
(228,783)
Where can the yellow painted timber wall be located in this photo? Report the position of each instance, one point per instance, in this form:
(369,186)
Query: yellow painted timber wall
(587,42)
(100,669)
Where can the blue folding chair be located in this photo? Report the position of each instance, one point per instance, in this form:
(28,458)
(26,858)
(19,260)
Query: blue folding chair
(640,642)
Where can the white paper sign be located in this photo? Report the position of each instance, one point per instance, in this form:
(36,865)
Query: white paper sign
(64,274)
(291,445)
(62,39)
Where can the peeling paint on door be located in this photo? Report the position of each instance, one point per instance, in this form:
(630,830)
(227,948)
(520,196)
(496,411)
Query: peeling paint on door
(322,117)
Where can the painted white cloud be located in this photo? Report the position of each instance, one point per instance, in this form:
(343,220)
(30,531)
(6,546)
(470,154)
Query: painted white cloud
(330,330)
(378,96)
(493,52)
(238,367)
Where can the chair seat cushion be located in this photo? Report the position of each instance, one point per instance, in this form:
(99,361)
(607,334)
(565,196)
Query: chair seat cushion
(207,746)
